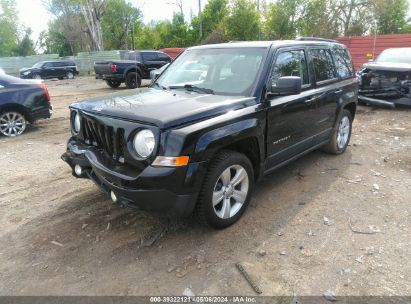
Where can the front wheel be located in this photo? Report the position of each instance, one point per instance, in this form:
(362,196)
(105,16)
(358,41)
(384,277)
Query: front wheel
(133,80)
(12,123)
(113,84)
(226,191)
(341,136)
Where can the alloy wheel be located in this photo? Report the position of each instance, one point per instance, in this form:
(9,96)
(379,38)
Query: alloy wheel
(230,191)
(70,75)
(12,123)
(343,132)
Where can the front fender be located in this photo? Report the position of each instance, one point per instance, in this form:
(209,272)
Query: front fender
(201,140)
(209,143)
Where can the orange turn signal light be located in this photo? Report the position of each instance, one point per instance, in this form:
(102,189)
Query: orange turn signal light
(170,161)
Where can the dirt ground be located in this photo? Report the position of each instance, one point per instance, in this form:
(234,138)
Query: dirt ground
(61,236)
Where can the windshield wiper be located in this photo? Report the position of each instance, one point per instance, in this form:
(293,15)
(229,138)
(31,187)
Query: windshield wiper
(190,87)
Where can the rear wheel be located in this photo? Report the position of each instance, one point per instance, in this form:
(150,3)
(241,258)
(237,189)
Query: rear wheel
(226,191)
(341,136)
(133,80)
(12,123)
(70,75)
(113,83)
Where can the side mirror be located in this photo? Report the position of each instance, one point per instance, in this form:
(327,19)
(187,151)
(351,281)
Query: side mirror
(288,85)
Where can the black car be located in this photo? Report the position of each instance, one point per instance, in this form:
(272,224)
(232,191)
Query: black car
(51,69)
(21,102)
(137,66)
(387,81)
(197,140)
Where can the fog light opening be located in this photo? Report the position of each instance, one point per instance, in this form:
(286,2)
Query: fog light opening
(113,197)
(78,170)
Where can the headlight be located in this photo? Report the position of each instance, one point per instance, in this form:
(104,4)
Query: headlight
(76,123)
(26,73)
(144,143)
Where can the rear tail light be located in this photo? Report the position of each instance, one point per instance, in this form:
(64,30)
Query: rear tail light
(46,92)
(113,68)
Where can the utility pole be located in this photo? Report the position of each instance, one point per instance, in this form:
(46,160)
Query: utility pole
(132,33)
(259,16)
(200,21)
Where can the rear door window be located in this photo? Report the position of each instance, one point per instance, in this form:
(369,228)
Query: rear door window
(150,56)
(290,63)
(322,64)
(343,63)
(58,64)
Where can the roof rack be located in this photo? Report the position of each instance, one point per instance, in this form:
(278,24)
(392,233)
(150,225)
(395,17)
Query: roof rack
(315,39)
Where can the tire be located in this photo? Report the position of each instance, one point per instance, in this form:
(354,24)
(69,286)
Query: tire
(220,204)
(341,135)
(113,84)
(36,76)
(133,80)
(12,123)
(70,75)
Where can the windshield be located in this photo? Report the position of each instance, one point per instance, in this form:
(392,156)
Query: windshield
(38,65)
(401,55)
(224,71)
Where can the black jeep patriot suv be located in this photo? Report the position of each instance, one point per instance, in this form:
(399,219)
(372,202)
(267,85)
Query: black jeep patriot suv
(218,118)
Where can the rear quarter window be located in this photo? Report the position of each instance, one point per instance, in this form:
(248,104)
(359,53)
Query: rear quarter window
(322,64)
(343,63)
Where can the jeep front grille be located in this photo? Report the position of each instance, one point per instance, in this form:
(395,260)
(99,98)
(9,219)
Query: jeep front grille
(110,139)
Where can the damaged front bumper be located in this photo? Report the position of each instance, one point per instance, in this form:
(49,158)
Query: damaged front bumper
(172,190)
(388,88)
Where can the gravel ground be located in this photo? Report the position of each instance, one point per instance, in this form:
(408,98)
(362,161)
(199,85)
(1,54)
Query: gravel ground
(339,223)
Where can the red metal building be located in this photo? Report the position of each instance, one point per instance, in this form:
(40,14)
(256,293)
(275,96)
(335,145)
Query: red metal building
(364,48)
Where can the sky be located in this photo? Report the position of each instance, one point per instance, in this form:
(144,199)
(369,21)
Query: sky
(33,14)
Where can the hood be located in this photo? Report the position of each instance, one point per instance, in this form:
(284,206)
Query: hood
(388,66)
(162,108)
(24,69)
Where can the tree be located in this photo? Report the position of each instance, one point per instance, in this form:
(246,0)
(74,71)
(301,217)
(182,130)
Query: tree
(280,21)
(26,45)
(92,11)
(8,27)
(213,16)
(119,20)
(390,16)
(67,34)
(243,23)
(318,20)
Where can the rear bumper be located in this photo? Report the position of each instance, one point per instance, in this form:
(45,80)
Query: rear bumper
(43,113)
(172,191)
(110,77)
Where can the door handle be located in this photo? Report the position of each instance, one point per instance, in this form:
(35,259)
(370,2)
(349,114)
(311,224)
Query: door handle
(338,91)
(310,100)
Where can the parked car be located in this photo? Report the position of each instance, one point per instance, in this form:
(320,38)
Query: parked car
(137,66)
(387,81)
(199,145)
(51,69)
(22,102)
